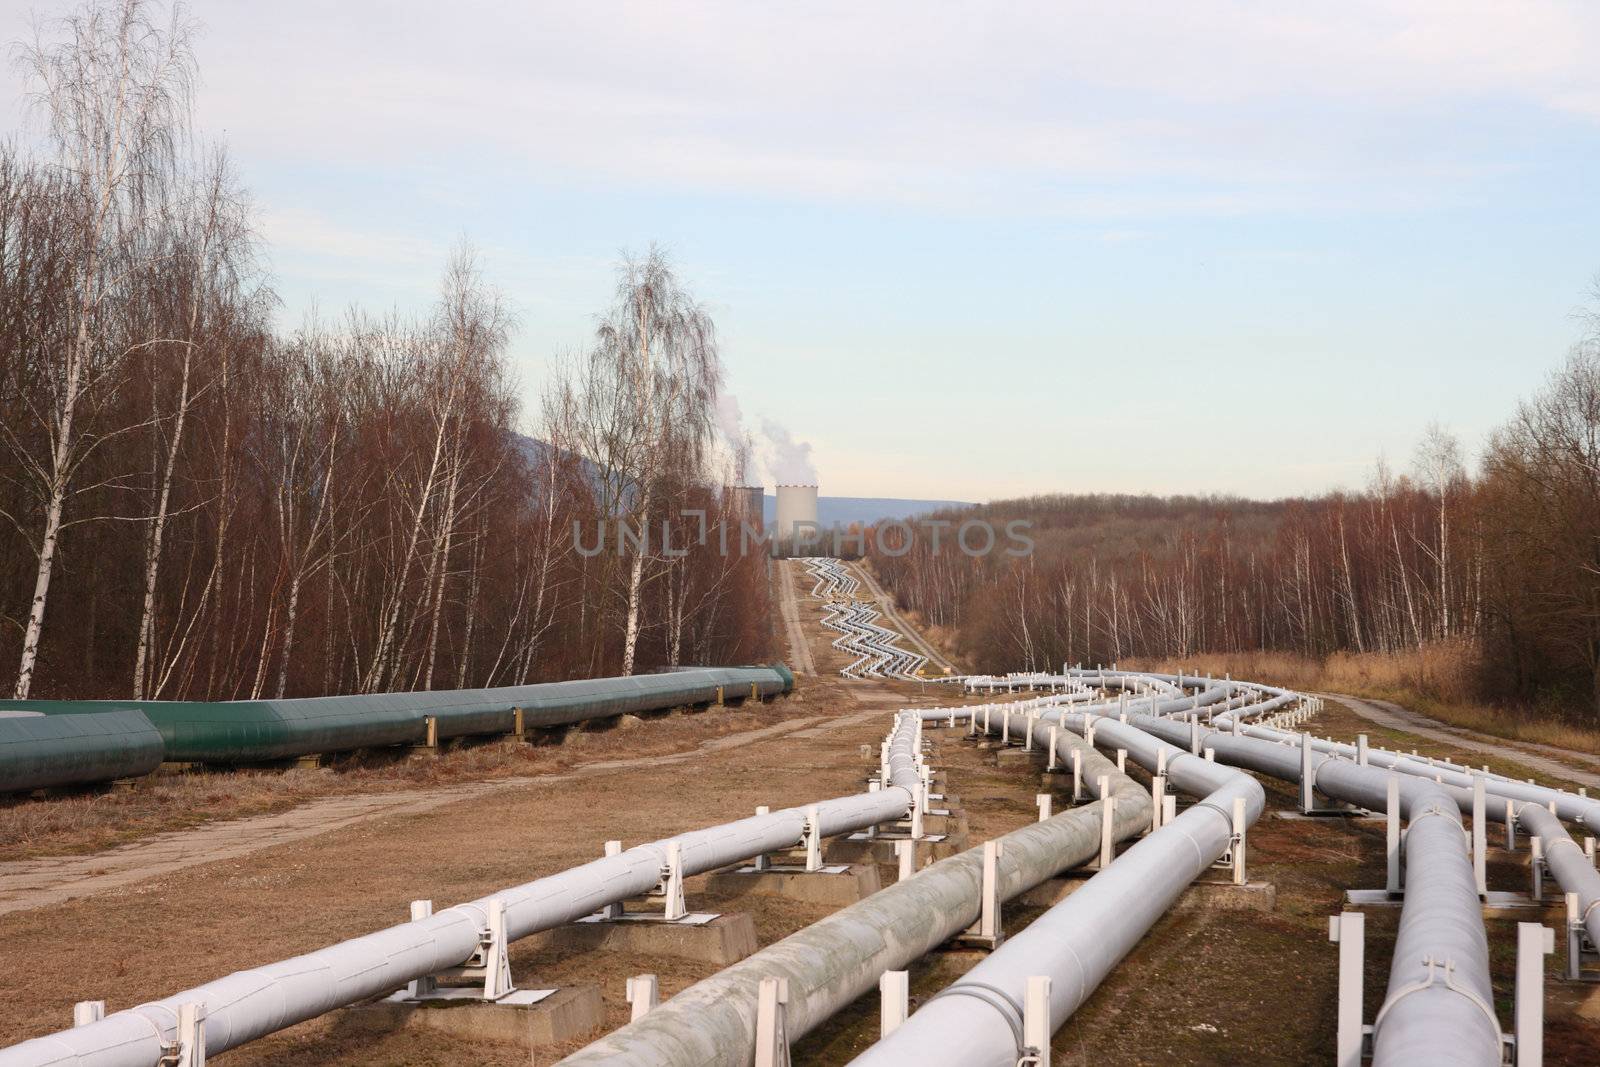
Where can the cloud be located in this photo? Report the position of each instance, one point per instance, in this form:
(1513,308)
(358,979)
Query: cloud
(1009,106)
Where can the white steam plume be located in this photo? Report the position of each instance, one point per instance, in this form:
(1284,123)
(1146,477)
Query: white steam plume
(736,441)
(788,460)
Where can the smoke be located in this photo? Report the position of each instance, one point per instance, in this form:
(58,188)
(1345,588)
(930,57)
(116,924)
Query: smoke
(788,460)
(736,442)
(785,460)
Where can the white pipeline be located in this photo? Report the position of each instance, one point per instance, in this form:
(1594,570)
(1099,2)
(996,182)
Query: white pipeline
(831,963)
(977,1021)
(249,1004)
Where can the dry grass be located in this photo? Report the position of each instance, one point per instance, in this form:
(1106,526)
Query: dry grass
(1436,680)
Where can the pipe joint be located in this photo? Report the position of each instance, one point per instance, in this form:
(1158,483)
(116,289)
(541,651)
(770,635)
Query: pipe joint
(1435,806)
(1227,816)
(994,997)
(1435,967)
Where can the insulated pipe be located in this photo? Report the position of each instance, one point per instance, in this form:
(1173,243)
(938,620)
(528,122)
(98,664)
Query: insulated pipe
(872,644)
(832,962)
(1440,1003)
(1569,806)
(1251,691)
(977,1021)
(249,1004)
(1439,1007)
(1170,705)
(1572,869)
(1227,698)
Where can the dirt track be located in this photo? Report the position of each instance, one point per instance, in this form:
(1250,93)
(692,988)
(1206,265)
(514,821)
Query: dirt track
(1556,762)
(789,606)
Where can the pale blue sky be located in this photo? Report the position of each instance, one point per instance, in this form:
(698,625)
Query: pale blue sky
(968,250)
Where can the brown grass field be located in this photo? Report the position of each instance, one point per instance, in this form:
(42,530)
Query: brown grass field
(1205,986)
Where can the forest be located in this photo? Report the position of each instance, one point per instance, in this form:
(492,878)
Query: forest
(196,503)
(1498,564)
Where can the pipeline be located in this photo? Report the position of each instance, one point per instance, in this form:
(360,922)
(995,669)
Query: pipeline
(832,962)
(1439,1007)
(1567,862)
(91,740)
(874,646)
(1440,1002)
(252,1003)
(977,1021)
(1573,808)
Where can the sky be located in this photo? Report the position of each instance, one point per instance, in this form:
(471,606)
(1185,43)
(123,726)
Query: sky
(965,251)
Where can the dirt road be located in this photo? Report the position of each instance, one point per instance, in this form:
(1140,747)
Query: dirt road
(789,606)
(1546,759)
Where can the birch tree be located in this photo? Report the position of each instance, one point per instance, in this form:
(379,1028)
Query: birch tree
(1439,469)
(212,253)
(639,407)
(115,92)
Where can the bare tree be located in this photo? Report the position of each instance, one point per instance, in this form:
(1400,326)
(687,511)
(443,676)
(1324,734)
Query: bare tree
(116,93)
(1439,469)
(473,325)
(639,408)
(213,252)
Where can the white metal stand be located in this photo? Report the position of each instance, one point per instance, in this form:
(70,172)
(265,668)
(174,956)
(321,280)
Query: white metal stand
(772,1035)
(489,968)
(894,989)
(189,1050)
(1036,1028)
(1233,859)
(1348,931)
(1479,837)
(906,853)
(1108,815)
(1581,951)
(987,930)
(613,911)
(644,993)
(1534,943)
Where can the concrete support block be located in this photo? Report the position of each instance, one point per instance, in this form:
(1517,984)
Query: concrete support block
(724,940)
(565,1015)
(954,823)
(881,850)
(857,882)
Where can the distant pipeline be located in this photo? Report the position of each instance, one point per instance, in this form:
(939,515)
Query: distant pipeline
(52,743)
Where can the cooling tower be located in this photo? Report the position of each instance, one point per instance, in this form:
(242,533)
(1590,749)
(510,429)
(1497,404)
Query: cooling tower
(796,504)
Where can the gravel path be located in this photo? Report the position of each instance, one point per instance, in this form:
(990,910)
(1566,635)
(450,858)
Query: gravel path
(789,605)
(1548,759)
